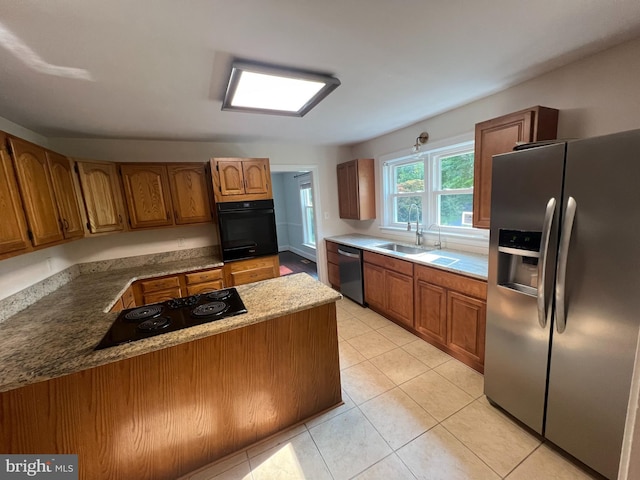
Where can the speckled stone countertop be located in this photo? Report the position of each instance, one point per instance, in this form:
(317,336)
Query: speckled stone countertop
(470,264)
(56,335)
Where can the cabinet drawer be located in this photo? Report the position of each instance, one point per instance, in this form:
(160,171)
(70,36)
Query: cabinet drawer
(332,247)
(161,296)
(160,284)
(206,276)
(204,287)
(400,266)
(333,257)
(253,275)
(452,281)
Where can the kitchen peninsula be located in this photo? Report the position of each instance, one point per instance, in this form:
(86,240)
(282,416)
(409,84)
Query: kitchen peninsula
(166,405)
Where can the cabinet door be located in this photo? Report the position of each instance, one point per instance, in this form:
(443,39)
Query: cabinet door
(37,192)
(102,196)
(162,296)
(146,189)
(431,311)
(399,296)
(205,287)
(256,176)
(231,177)
(190,193)
(466,321)
(251,270)
(374,287)
(13,226)
(346,193)
(64,190)
(500,135)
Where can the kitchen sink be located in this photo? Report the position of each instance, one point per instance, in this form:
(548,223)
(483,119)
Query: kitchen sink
(396,247)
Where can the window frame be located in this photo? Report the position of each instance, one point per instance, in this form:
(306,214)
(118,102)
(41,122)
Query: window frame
(430,154)
(307,223)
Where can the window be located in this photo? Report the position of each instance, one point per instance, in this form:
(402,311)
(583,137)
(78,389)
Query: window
(306,204)
(433,187)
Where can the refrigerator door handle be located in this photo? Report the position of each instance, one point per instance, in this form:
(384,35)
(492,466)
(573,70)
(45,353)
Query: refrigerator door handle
(542,262)
(563,253)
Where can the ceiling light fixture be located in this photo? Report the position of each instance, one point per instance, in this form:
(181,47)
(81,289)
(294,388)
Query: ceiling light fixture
(260,88)
(420,140)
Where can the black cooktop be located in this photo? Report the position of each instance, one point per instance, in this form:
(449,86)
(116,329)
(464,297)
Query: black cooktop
(175,314)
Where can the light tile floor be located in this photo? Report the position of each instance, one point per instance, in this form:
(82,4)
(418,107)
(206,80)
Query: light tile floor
(410,412)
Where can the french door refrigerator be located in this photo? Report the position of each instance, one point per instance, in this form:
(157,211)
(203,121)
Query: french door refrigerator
(563,301)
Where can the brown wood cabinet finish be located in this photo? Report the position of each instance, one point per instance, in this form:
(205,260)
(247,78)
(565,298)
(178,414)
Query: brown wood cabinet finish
(388,286)
(450,313)
(251,270)
(356,189)
(14,238)
(333,265)
(190,192)
(147,194)
(241,179)
(149,417)
(102,196)
(37,193)
(160,289)
(500,135)
(62,181)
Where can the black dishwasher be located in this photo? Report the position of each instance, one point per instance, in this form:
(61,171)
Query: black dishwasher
(351,284)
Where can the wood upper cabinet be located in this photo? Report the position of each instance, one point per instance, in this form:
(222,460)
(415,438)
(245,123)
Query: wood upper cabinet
(240,179)
(500,135)
(62,180)
(14,238)
(102,196)
(166,194)
(388,286)
(37,193)
(356,189)
(190,192)
(147,194)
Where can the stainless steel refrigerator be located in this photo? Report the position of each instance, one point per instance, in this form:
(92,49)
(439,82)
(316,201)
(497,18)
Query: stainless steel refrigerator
(563,302)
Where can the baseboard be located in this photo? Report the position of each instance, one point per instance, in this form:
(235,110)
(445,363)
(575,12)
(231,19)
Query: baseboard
(302,253)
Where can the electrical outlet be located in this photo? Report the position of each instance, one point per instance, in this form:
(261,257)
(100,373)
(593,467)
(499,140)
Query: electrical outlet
(326,215)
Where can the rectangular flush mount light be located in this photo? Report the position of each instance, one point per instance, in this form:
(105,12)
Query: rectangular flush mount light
(260,88)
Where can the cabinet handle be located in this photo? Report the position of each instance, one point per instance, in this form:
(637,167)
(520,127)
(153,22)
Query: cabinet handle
(66,224)
(120,219)
(60,224)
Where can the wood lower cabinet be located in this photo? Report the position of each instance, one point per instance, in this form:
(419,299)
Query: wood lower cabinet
(450,313)
(102,196)
(356,189)
(14,238)
(241,179)
(171,411)
(388,286)
(205,281)
(251,270)
(160,289)
(500,135)
(333,265)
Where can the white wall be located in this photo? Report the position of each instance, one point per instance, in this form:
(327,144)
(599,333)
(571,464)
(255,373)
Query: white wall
(595,96)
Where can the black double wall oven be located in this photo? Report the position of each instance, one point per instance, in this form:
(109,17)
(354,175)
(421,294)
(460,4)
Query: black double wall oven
(247,229)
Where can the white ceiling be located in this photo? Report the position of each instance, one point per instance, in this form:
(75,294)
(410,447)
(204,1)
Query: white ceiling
(157,68)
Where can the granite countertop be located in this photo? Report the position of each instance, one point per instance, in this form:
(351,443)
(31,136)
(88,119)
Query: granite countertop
(56,335)
(465,263)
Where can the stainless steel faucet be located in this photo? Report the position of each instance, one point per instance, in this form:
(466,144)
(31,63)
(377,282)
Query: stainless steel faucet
(418,231)
(438,244)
